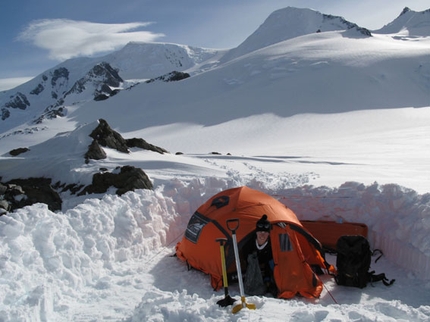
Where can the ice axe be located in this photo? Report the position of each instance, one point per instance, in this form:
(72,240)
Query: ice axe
(227,300)
(233,225)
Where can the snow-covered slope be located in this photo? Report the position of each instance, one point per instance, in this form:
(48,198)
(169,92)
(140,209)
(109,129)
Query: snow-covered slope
(409,23)
(289,23)
(83,76)
(149,60)
(295,62)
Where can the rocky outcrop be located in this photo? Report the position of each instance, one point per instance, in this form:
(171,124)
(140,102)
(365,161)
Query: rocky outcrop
(142,144)
(170,77)
(22,192)
(19,193)
(104,136)
(95,152)
(103,78)
(128,178)
(18,151)
(109,138)
(19,101)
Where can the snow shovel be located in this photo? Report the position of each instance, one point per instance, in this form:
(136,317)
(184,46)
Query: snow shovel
(232,225)
(227,300)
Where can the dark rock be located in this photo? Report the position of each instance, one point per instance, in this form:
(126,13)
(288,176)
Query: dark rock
(95,152)
(5,113)
(18,101)
(58,74)
(107,73)
(102,77)
(109,138)
(142,144)
(170,77)
(52,111)
(104,136)
(3,189)
(4,205)
(18,151)
(25,192)
(39,89)
(73,188)
(128,179)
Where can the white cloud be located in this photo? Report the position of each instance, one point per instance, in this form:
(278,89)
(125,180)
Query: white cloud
(65,39)
(9,83)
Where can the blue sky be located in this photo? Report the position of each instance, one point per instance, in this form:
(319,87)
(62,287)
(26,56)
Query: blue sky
(37,35)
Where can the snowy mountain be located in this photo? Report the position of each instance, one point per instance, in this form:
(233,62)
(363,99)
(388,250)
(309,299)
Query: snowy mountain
(51,90)
(332,122)
(409,23)
(290,23)
(298,61)
(294,57)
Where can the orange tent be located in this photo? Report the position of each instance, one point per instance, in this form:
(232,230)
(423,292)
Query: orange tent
(295,250)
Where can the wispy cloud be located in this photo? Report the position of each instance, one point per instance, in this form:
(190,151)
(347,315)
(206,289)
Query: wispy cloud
(65,39)
(8,83)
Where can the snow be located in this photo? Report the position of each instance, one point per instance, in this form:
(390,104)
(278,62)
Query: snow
(331,157)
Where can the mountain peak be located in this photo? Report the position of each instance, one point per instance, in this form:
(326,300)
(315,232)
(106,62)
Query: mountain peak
(409,22)
(405,10)
(288,23)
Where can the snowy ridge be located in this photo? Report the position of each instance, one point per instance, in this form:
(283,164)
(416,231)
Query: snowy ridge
(135,62)
(149,60)
(288,53)
(289,23)
(409,23)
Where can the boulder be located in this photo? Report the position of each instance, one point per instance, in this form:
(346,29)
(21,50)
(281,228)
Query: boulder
(109,138)
(25,192)
(127,178)
(95,152)
(142,144)
(18,151)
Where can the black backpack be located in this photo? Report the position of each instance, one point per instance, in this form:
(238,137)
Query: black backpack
(353,262)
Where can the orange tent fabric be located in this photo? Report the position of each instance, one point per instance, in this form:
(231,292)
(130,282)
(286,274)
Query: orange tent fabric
(294,249)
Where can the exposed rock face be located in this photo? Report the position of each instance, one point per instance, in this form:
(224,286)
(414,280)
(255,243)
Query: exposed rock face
(170,77)
(19,193)
(102,77)
(22,192)
(19,101)
(128,179)
(141,143)
(105,136)
(95,152)
(100,83)
(109,138)
(18,151)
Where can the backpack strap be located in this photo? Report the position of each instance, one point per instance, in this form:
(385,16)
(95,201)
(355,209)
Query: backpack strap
(377,251)
(380,277)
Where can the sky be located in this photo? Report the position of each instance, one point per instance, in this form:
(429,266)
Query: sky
(37,35)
